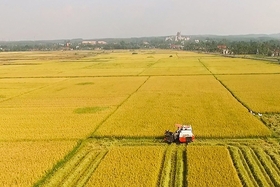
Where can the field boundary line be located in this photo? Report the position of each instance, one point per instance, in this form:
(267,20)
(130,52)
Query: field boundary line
(139,74)
(42,140)
(104,120)
(70,175)
(256,169)
(160,173)
(234,96)
(241,167)
(185,167)
(45,178)
(30,91)
(136,75)
(271,169)
(92,167)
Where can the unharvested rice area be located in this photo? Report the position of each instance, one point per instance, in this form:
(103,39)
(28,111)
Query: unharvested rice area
(67,95)
(78,64)
(222,65)
(11,88)
(129,166)
(197,100)
(71,108)
(210,166)
(176,66)
(261,93)
(23,163)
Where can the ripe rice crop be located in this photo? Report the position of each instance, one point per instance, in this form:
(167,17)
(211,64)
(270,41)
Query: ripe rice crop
(129,166)
(23,163)
(256,167)
(62,108)
(176,66)
(197,100)
(260,93)
(223,65)
(11,88)
(210,166)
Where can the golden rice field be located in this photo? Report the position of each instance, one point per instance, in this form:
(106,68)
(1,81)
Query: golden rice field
(231,162)
(261,93)
(197,100)
(60,108)
(24,163)
(228,66)
(129,166)
(97,118)
(210,166)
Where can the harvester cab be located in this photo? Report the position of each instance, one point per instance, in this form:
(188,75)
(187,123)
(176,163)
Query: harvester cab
(183,134)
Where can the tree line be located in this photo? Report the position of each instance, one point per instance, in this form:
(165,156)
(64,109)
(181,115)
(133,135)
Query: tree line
(266,48)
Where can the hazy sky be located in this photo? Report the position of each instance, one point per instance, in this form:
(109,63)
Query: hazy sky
(68,19)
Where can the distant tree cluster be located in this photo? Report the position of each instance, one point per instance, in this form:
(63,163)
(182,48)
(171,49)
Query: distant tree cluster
(206,44)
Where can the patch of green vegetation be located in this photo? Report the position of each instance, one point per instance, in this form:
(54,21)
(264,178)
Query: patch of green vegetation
(272,121)
(85,83)
(87,110)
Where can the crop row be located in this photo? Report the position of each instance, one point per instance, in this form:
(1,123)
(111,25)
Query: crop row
(140,163)
(256,166)
(173,169)
(77,170)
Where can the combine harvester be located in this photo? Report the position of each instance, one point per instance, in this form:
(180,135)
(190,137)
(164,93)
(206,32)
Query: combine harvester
(183,134)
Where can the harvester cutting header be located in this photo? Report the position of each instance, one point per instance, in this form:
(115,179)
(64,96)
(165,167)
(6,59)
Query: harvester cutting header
(183,134)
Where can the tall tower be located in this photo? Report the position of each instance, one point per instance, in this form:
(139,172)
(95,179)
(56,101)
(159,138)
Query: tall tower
(178,36)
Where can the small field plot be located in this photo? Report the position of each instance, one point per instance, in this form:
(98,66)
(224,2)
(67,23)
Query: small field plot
(261,93)
(67,109)
(40,64)
(197,100)
(11,88)
(23,163)
(117,63)
(223,65)
(129,166)
(210,166)
(176,66)
(79,64)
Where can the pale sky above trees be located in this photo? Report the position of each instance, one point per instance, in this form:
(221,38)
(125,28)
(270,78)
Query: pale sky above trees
(88,19)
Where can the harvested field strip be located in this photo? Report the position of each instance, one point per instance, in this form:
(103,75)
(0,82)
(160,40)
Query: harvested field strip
(242,167)
(269,166)
(86,175)
(169,166)
(181,166)
(274,157)
(78,169)
(84,170)
(256,167)
(172,173)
